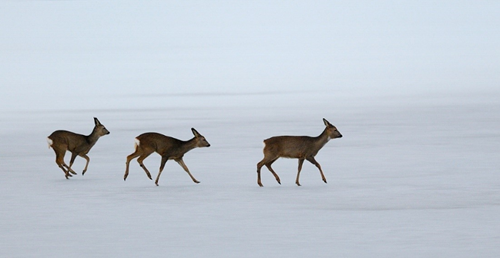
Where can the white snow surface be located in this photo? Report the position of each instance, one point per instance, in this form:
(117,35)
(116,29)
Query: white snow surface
(412,86)
(415,177)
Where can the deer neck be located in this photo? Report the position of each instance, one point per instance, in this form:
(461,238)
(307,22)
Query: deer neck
(188,145)
(322,139)
(92,138)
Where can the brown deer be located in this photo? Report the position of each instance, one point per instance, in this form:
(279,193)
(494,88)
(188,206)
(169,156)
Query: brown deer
(167,147)
(298,147)
(78,144)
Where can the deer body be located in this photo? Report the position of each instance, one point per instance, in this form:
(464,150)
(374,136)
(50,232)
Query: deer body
(79,145)
(167,147)
(298,147)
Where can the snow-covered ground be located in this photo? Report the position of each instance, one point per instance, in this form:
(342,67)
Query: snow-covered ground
(413,176)
(412,86)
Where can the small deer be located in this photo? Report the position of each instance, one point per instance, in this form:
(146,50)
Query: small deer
(298,147)
(167,147)
(78,144)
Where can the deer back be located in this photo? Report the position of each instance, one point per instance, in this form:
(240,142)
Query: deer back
(292,146)
(158,142)
(300,146)
(74,142)
(169,146)
(68,140)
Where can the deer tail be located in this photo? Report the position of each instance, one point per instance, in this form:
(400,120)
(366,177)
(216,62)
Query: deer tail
(137,142)
(50,142)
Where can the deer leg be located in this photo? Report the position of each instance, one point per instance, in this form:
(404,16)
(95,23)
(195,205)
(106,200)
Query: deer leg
(259,166)
(183,165)
(129,158)
(140,160)
(313,161)
(60,162)
(268,165)
(267,162)
(86,164)
(70,170)
(66,174)
(73,156)
(162,165)
(301,161)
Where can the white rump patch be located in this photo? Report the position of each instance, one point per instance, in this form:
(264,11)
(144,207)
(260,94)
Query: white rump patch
(136,143)
(50,142)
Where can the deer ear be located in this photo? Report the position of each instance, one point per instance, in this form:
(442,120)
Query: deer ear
(196,133)
(96,121)
(326,122)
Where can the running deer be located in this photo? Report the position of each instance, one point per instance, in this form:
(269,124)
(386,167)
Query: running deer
(167,147)
(298,147)
(78,144)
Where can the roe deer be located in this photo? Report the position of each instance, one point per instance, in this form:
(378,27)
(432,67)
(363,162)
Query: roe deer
(298,147)
(78,144)
(167,147)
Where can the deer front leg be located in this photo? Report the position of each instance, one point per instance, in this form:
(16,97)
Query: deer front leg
(301,161)
(73,156)
(162,165)
(183,165)
(86,164)
(313,161)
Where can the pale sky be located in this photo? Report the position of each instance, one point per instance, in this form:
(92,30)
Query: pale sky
(66,49)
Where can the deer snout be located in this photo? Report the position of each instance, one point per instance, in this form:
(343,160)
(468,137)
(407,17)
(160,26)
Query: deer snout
(204,144)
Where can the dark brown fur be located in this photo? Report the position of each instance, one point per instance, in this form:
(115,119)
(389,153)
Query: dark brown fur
(167,147)
(78,144)
(298,147)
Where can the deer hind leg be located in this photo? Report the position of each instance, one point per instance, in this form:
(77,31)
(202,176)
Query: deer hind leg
(140,160)
(301,161)
(267,162)
(313,161)
(164,160)
(183,165)
(130,157)
(259,166)
(69,169)
(268,165)
(60,162)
